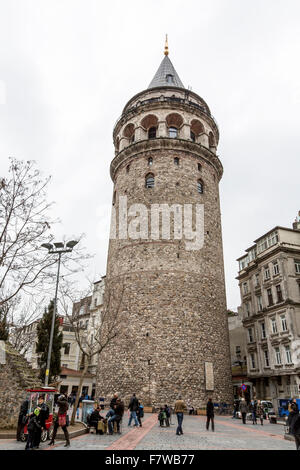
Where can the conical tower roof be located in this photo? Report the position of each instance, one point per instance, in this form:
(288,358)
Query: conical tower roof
(166,75)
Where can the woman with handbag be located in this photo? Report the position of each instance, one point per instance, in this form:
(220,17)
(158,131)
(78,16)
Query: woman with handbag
(61,420)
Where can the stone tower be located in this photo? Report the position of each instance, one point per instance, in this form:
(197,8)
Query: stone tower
(174,333)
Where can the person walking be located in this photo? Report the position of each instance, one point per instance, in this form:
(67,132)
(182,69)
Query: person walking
(210,414)
(42,416)
(22,418)
(235,408)
(179,409)
(61,420)
(244,410)
(293,413)
(253,410)
(133,407)
(260,412)
(140,414)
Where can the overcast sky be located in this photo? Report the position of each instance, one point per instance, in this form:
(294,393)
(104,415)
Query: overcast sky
(68,67)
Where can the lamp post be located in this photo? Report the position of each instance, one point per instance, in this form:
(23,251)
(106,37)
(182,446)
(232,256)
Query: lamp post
(56,248)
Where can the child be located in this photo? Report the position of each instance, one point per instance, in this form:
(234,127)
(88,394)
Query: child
(162,417)
(32,428)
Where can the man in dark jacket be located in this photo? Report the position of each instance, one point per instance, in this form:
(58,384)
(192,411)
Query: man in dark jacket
(61,418)
(133,407)
(22,418)
(113,401)
(210,414)
(41,420)
(117,417)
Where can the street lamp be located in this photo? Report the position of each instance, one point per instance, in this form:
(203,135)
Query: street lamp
(56,248)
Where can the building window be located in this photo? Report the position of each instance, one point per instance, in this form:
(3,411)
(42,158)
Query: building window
(152,133)
(150,161)
(245,288)
(250,335)
(132,139)
(263,330)
(266,354)
(199,167)
(173,132)
(170,78)
(266,242)
(252,359)
(127,168)
(257,280)
(176,161)
(288,355)
(259,303)
(274,325)
(267,273)
(283,323)
(297,266)
(149,180)
(270,297)
(200,187)
(67,347)
(275,268)
(277,356)
(193,137)
(238,350)
(279,293)
(248,308)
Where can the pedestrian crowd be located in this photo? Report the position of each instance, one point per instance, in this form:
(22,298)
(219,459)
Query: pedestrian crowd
(111,422)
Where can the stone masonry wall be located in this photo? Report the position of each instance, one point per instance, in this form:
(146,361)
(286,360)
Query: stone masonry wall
(16,375)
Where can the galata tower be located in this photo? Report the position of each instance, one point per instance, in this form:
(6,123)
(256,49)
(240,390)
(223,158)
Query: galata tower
(165,271)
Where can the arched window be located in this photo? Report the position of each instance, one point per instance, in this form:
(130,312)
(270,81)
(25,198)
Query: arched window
(174,122)
(152,133)
(129,132)
(150,161)
(176,161)
(200,186)
(149,180)
(170,78)
(114,198)
(173,132)
(197,128)
(199,167)
(127,168)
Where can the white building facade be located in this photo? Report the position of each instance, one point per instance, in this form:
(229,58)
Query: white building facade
(269,280)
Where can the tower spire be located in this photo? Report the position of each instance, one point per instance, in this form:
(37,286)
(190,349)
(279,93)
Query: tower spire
(166,46)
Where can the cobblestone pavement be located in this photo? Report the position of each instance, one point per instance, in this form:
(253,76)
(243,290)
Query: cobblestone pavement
(230,434)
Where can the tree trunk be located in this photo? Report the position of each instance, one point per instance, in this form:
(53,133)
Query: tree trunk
(86,365)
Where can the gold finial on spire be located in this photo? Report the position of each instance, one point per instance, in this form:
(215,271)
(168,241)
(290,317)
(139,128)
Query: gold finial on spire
(166,46)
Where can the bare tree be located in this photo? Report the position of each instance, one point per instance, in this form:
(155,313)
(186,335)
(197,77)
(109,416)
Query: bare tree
(93,341)
(22,335)
(24,226)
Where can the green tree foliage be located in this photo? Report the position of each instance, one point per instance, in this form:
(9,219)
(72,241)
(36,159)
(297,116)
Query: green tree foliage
(43,331)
